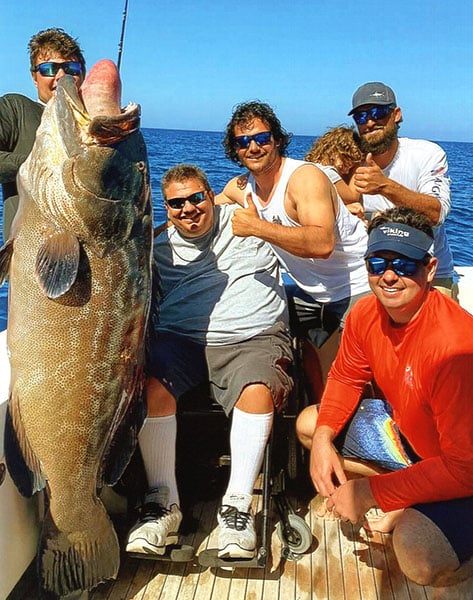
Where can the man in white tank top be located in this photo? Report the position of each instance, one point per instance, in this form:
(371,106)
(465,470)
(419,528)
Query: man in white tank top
(293,205)
(400,171)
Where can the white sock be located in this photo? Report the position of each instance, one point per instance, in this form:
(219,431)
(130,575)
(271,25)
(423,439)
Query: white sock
(248,437)
(157,440)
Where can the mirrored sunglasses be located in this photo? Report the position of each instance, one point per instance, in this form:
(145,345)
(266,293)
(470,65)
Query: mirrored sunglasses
(177,203)
(262,138)
(50,69)
(404,267)
(375,113)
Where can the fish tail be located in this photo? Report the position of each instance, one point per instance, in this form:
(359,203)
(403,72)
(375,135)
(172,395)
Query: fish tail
(78,560)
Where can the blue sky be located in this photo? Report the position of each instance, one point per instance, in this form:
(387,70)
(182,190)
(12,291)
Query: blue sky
(188,63)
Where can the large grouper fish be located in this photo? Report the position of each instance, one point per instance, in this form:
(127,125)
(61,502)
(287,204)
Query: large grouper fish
(79,269)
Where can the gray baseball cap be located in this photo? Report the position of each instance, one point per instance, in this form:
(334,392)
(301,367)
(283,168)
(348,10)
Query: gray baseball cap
(374,92)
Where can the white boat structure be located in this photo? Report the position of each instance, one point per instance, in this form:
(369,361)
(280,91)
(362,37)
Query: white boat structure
(338,566)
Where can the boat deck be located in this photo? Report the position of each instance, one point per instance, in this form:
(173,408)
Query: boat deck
(342,564)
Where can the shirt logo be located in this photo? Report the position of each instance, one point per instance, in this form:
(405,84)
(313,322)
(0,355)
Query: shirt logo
(277,220)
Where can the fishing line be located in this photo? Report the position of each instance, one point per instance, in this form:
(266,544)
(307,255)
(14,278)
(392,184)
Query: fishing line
(120,43)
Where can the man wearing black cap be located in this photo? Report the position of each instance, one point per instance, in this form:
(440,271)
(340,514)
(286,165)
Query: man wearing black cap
(400,171)
(413,447)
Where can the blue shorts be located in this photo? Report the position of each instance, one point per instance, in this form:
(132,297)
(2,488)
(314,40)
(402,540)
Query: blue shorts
(372,436)
(315,319)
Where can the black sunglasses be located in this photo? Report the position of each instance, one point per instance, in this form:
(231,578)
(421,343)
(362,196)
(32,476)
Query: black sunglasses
(404,267)
(243,141)
(177,203)
(50,69)
(375,113)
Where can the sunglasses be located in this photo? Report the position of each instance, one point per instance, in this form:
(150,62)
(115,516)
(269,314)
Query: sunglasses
(50,69)
(243,141)
(375,113)
(177,203)
(404,267)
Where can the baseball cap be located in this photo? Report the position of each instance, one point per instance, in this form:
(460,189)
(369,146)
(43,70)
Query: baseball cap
(400,238)
(374,92)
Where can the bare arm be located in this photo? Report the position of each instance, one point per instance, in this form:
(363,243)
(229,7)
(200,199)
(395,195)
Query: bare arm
(310,200)
(370,179)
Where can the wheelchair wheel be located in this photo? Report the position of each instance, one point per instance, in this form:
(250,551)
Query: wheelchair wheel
(298,538)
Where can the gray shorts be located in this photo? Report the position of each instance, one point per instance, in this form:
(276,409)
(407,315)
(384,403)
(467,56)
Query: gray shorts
(182,365)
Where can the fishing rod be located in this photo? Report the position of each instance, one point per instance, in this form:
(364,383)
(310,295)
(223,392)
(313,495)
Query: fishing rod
(120,43)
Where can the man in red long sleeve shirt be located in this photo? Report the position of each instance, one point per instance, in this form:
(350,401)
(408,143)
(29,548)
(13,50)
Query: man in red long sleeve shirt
(416,345)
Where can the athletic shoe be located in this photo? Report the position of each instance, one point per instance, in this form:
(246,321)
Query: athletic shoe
(237,537)
(157,525)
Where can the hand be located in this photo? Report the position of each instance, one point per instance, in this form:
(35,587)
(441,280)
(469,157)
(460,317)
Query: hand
(325,465)
(245,221)
(369,178)
(351,500)
(357,209)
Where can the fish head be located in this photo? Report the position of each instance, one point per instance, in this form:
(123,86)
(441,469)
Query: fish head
(88,170)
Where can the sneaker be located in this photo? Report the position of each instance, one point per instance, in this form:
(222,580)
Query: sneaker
(237,537)
(157,526)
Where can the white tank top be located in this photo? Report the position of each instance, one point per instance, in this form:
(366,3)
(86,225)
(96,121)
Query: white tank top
(340,276)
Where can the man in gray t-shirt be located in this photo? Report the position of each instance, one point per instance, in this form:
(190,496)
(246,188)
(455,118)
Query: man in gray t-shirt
(222,320)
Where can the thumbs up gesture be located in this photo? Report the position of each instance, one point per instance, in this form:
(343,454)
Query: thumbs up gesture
(369,178)
(245,221)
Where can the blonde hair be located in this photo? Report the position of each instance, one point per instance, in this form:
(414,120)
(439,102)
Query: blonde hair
(338,148)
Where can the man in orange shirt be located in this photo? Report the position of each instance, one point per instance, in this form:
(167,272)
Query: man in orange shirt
(417,346)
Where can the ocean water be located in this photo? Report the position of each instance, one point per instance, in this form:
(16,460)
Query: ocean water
(168,147)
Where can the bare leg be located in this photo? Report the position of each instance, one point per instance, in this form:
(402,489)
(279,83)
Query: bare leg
(426,557)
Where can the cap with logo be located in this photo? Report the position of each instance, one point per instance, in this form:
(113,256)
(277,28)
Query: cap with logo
(400,238)
(374,92)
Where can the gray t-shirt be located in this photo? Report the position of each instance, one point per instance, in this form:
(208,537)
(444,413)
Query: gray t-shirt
(220,288)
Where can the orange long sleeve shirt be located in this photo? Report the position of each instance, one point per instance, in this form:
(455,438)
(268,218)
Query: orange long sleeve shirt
(425,371)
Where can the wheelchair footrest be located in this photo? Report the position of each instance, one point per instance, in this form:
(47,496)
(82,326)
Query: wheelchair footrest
(174,553)
(209,558)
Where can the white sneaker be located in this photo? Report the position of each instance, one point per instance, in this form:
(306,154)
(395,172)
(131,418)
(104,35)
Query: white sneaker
(237,537)
(157,526)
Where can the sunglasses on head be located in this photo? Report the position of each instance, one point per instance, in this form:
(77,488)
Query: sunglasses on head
(375,113)
(243,141)
(404,267)
(194,199)
(50,69)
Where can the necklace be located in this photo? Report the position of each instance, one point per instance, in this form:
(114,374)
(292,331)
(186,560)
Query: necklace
(197,249)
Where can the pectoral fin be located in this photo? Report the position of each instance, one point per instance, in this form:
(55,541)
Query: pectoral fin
(57,264)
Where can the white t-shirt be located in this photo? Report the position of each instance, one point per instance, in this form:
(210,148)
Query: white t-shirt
(421,166)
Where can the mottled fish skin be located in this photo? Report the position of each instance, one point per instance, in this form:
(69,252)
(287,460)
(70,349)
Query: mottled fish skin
(80,277)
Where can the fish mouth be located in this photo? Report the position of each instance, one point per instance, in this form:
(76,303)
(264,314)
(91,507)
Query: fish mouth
(78,128)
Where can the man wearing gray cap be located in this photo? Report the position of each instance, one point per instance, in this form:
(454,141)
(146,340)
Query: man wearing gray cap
(413,446)
(400,171)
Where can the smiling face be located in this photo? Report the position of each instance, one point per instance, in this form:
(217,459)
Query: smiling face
(257,159)
(378,136)
(402,296)
(47,85)
(192,220)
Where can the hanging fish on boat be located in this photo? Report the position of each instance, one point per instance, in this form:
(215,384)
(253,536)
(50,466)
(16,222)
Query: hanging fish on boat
(79,268)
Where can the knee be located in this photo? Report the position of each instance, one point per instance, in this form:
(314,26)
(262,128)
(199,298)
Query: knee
(424,556)
(305,425)
(256,399)
(160,402)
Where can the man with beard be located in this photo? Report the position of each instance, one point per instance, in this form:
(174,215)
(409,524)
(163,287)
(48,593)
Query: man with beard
(400,171)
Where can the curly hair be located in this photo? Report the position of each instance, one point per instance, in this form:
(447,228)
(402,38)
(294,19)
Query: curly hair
(243,114)
(183,172)
(338,148)
(405,216)
(55,40)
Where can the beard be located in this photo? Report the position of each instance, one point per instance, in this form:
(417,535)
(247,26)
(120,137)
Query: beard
(381,144)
